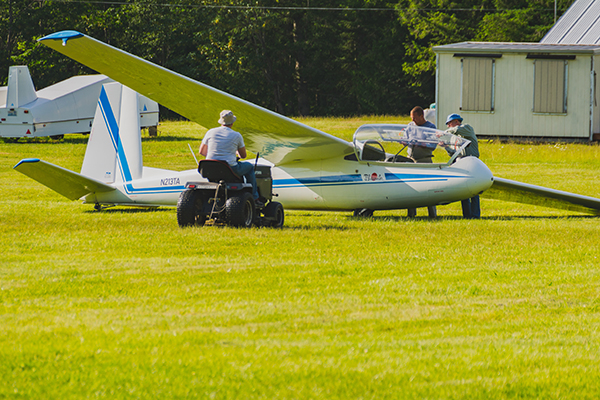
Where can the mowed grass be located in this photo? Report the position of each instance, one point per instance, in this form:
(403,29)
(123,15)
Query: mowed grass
(124,304)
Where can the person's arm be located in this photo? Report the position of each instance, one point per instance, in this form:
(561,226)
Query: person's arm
(242,152)
(203,149)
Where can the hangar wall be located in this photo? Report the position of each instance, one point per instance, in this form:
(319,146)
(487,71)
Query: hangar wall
(512,114)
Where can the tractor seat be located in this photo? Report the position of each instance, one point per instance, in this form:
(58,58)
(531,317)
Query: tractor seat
(217,170)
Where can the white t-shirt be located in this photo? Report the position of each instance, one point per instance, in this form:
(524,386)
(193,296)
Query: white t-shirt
(223,143)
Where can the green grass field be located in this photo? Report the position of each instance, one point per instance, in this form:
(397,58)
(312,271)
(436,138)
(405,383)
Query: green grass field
(123,304)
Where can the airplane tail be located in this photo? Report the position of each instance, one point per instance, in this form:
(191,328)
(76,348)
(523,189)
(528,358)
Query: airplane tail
(20,87)
(114,150)
(68,183)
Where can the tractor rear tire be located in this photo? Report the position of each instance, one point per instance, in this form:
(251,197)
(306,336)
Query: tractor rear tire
(189,209)
(274,213)
(240,210)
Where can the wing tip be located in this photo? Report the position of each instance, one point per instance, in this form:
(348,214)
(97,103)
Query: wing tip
(26,161)
(62,35)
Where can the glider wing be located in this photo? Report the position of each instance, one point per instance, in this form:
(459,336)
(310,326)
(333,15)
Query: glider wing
(277,138)
(508,190)
(68,183)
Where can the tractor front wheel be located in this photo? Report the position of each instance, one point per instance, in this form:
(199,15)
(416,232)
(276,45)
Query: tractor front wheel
(240,210)
(274,213)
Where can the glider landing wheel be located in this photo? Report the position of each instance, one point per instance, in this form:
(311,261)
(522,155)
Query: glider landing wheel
(189,209)
(240,210)
(363,213)
(274,212)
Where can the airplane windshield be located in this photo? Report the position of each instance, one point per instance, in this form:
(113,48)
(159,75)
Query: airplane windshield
(406,143)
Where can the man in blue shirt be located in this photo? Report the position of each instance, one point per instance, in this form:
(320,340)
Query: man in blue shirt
(420,154)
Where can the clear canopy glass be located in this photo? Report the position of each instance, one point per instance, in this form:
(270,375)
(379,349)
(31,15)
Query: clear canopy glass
(390,143)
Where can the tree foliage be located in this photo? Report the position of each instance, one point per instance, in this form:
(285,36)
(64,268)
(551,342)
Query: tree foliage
(298,57)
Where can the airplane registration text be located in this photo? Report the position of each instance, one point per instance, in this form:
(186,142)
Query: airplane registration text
(169,181)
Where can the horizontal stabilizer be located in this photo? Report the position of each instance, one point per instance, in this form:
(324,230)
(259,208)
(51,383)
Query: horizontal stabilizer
(518,192)
(68,183)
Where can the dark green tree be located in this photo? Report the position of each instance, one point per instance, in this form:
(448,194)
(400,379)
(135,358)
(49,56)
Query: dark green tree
(298,57)
(439,22)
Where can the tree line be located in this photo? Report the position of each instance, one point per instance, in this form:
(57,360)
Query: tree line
(296,57)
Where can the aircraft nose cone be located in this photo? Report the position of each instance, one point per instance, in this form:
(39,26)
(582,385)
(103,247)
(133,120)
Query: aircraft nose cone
(481,176)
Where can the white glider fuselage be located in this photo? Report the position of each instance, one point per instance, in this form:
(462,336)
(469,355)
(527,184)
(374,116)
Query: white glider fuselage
(335,184)
(114,163)
(326,185)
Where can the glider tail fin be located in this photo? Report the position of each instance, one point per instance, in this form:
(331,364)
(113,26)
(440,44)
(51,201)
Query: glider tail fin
(114,150)
(20,87)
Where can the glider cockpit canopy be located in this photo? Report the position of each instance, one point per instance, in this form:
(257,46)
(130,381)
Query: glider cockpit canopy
(386,142)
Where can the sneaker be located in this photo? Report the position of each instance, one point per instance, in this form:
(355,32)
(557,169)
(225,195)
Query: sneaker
(258,203)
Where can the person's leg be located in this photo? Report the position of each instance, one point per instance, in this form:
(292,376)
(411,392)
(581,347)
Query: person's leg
(475,207)
(247,171)
(466,208)
(432,211)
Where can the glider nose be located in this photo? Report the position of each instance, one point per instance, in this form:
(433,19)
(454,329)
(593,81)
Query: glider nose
(481,176)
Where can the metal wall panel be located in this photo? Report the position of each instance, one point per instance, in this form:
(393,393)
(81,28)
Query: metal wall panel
(593,33)
(578,25)
(595,96)
(549,86)
(477,84)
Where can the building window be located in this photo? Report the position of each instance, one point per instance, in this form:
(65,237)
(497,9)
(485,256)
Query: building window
(550,86)
(478,75)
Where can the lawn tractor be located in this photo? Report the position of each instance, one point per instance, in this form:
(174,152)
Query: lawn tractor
(227,199)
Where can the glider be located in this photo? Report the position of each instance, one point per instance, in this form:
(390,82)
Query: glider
(311,169)
(65,107)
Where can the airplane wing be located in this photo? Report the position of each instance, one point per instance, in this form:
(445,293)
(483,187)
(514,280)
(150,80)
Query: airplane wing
(68,183)
(277,138)
(508,190)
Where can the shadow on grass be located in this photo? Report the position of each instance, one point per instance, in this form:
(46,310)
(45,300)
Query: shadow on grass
(159,139)
(458,217)
(75,139)
(271,228)
(83,139)
(539,217)
(400,218)
(136,210)
(313,228)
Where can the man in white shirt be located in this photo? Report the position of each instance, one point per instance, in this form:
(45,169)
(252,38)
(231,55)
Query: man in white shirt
(225,144)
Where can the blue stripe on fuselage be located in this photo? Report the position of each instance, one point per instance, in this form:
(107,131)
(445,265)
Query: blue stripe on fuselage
(330,180)
(356,179)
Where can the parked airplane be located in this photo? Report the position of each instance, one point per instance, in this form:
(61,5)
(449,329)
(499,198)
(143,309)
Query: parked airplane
(312,170)
(113,173)
(65,107)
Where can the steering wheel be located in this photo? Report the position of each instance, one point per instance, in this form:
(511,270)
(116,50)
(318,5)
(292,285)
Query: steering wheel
(398,153)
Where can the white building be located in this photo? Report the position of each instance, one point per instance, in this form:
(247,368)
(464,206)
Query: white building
(527,90)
